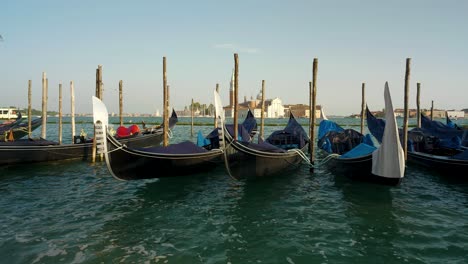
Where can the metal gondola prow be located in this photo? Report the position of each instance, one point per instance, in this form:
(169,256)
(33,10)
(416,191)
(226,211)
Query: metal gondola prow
(99,137)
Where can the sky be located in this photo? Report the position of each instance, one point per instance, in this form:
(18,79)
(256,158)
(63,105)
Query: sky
(354,42)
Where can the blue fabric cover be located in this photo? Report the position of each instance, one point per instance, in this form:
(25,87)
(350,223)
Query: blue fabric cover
(368,140)
(326,126)
(173,119)
(263,146)
(250,123)
(245,130)
(326,145)
(360,150)
(438,129)
(335,139)
(201,140)
(375,125)
(292,136)
(242,135)
(450,123)
(440,135)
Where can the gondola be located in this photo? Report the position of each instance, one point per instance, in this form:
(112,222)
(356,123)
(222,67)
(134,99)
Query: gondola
(33,150)
(130,163)
(435,145)
(150,137)
(439,147)
(347,152)
(7,126)
(21,130)
(450,134)
(282,151)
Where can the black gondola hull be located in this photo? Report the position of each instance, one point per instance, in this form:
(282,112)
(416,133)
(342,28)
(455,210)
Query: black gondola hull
(25,151)
(245,163)
(134,164)
(16,154)
(358,169)
(442,164)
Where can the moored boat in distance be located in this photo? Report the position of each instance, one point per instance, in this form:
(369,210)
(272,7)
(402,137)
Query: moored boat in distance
(10,124)
(7,113)
(21,130)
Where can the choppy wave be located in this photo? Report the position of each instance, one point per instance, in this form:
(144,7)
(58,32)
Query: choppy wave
(75,212)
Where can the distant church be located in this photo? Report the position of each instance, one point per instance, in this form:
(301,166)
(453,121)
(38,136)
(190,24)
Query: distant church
(273,107)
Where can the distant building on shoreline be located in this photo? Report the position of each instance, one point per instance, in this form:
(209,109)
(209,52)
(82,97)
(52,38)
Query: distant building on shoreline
(438,113)
(274,108)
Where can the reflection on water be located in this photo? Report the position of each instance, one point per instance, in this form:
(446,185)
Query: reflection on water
(76,212)
(372,221)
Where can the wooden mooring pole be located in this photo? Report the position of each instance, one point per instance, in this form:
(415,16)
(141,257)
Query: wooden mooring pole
(215,115)
(99,88)
(121,102)
(418,106)
(168,105)
(432,110)
(29,108)
(165,117)
(262,115)
(99,83)
(191,114)
(236,93)
(60,115)
(72,95)
(313,97)
(44,106)
(363,106)
(406,114)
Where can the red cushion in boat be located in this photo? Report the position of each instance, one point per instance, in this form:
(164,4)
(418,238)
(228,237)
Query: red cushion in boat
(122,131)
(125,132)
(133,129)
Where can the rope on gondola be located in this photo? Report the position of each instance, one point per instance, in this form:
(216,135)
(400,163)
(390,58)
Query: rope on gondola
(302,155)
(120,147)
(320,162)
(326,159)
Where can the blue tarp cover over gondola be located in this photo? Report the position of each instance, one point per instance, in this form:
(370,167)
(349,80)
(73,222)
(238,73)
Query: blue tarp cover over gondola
(292,136)
(334,139)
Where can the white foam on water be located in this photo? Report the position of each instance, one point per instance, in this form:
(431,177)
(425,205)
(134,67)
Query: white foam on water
(323,254)
(289,260)
(83,247)
(79,257)
(169,245)
(124,259)
(140,250)
(318,244)
(53,251)
(24,237)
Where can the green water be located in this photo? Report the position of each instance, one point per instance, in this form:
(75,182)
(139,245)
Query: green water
(75,212)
